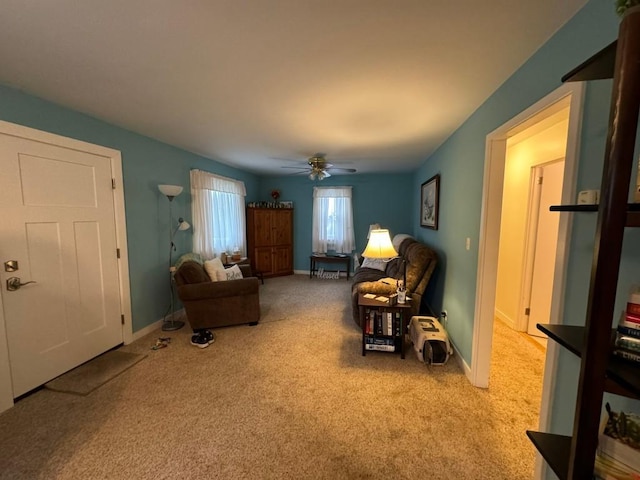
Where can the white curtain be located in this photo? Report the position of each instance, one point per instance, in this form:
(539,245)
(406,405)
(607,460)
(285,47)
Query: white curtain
(217,205)
(332,220)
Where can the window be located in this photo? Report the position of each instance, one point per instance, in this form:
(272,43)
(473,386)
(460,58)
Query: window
(217,205)
(332,220)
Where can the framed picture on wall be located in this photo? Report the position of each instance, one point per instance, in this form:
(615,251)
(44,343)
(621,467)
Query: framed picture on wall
(429,202)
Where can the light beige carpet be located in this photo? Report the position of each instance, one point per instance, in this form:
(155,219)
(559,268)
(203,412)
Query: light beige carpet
(87,377)
(291,398)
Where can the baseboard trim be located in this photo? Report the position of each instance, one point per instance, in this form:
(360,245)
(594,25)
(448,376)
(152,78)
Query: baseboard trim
(462,363)
(138,334)
(505,318)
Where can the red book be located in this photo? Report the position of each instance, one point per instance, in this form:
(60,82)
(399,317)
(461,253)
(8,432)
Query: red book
(628,317)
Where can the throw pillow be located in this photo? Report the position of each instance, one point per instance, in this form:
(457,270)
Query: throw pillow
(231,273)
(398,239)
(376,263)
(212,267)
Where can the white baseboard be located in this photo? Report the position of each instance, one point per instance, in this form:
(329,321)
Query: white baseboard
(505,318)
(461,362)
(180,314)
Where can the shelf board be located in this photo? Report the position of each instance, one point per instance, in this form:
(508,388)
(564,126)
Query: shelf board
(633,211)
(623,377)
(574,208)
(555,449)
(599,67)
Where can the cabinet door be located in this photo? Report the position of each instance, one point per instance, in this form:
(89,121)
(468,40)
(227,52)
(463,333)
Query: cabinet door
(282,261)
(263,259)
(281,227)
(262,228)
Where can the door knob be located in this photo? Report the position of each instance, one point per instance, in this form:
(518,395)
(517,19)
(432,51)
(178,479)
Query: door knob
(13,283)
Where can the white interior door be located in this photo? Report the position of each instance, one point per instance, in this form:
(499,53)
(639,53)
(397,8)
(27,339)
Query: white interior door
(546,242)
(59,226)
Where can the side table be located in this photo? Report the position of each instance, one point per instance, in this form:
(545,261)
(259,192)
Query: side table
(383,325)
(315,259)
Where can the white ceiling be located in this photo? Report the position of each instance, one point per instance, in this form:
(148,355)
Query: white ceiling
(376,84)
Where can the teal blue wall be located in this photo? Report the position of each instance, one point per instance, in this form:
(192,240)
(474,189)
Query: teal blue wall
(146,163)
(460,161)
(380,198)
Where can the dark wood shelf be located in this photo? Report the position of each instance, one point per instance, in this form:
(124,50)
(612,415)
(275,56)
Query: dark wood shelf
(623,377)
(599,67)
(633,211)
(555,449)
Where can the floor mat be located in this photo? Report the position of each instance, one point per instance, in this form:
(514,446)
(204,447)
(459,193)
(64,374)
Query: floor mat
(87,377)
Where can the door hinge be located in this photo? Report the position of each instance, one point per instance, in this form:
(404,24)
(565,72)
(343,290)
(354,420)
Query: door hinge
(540,180)
(118,252)
(113,183)
(527,311)
(122,319)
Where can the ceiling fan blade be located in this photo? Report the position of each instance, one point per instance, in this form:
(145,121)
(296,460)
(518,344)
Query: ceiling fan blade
(298,168)
(343,170)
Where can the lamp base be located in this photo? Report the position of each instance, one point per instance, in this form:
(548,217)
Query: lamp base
(172,325)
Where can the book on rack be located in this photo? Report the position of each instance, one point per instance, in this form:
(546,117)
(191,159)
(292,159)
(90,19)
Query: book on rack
(379,341)
(618,454)
(627,342)
(379,344)
(627,355)
(628,331)
(380,348)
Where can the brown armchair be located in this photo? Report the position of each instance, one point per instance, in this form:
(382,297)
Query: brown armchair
(217,304)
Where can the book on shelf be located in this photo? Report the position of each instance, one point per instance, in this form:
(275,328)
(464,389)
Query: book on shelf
(607,468)
(379,341)
(629,331)
(618,454)
(380,348)
(627,355)
(627,342)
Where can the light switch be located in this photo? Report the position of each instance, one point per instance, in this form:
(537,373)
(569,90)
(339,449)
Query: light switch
(468,243)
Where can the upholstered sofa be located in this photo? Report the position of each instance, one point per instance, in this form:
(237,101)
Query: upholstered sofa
(421,261)
(211,304)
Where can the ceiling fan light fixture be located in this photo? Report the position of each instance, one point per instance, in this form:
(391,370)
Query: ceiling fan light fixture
(312,176)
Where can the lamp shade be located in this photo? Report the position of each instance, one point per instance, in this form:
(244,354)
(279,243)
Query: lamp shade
(379,245)
(183,225)
(170,190)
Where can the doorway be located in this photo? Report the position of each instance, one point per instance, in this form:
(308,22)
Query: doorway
(64,295)
(490,224)
(533,180)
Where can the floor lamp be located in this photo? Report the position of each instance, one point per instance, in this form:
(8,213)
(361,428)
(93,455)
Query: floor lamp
(172,191)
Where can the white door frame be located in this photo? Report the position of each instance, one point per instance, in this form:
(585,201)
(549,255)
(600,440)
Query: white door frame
(115,159)
(490,231)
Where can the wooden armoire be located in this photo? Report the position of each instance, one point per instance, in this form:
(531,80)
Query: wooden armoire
(270,240)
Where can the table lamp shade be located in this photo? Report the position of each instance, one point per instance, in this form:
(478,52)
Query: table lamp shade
(379,245)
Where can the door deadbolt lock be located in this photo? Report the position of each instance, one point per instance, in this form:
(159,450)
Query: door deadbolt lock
(11,266)
(14,283)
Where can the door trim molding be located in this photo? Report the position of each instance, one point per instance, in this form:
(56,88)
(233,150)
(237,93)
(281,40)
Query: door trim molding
(115,159)
(488,249)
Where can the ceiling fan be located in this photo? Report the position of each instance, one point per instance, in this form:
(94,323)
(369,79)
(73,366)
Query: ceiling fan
(318,167)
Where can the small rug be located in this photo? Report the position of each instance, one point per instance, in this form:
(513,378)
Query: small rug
(87,377)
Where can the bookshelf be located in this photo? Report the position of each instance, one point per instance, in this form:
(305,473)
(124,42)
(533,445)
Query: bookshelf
(383,325)
(572,457)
